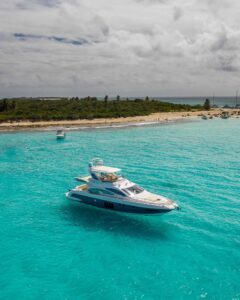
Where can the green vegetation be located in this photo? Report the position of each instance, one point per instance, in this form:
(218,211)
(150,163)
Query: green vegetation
(87,108)
(206,104)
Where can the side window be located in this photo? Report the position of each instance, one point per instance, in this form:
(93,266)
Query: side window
(99,191)
(117,192)
(94,191)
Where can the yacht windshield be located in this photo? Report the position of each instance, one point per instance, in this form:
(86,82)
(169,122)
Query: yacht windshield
(135,189)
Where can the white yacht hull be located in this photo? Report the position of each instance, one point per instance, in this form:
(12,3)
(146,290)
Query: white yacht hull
(126,205)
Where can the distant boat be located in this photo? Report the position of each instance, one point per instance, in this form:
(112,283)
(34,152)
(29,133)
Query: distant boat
(60,134)
(204,117)
(225,115)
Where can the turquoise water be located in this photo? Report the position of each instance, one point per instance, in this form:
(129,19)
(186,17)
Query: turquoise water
(51,248)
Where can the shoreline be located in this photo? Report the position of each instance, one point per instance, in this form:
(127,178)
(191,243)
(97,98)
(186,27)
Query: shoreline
(155,118)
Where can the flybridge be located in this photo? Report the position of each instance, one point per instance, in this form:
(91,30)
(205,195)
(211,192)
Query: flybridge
(105,169)
(103,173)
(97,165)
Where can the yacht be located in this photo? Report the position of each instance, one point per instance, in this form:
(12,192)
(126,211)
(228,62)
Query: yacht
(106,188)
(60,134)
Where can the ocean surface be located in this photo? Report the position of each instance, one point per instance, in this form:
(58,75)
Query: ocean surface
(51,248)
(219,101)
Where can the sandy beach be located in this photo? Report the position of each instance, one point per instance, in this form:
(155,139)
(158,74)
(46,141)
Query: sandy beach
(152,118)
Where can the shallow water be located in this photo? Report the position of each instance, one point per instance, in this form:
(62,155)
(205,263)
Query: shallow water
(53,249)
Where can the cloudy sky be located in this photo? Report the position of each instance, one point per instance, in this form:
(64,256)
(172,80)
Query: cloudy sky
(127,47)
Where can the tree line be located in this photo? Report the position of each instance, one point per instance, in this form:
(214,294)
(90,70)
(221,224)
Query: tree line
(85,108)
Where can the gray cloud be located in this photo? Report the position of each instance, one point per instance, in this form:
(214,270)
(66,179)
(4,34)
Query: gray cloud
(227,63)
(177,14)
(129,47)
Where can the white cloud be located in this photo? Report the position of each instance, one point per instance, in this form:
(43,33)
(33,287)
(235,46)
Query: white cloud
(134,47)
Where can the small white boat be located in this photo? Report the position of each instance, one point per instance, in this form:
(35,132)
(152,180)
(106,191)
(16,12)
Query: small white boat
(225,115)
(106,188)
(60,134)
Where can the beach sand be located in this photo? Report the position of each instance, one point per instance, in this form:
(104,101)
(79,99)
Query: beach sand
(152,118)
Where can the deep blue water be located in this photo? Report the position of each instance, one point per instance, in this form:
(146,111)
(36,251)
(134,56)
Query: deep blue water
(51,248)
